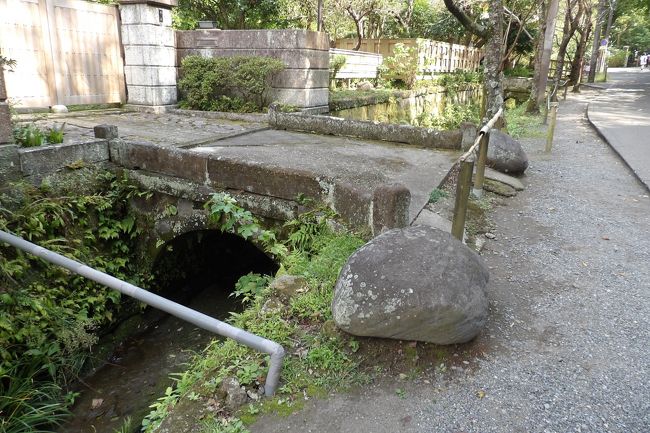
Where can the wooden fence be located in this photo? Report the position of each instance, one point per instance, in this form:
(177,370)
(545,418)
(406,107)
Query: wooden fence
(434,57)
(357,64)
(66,51)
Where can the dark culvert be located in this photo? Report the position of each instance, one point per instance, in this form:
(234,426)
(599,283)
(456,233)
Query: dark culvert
(198,269)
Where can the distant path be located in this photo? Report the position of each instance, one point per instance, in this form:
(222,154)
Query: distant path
(622,115)
(567,342)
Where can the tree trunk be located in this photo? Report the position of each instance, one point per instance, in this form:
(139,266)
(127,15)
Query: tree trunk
(578,60)
(545,59)
(548,16)
(608,29)
(571,23)
(600,16)
(493,60)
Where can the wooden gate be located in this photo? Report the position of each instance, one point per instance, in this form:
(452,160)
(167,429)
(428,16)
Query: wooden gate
(66,51)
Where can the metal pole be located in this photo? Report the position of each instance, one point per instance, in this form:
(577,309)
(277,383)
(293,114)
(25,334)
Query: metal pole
(551,128)
(182,312)
(463,186)
(480,167)
(319,16)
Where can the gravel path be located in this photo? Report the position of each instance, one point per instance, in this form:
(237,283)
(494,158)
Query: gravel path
(567,346)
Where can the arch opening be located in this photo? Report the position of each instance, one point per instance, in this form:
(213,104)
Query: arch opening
(206,260)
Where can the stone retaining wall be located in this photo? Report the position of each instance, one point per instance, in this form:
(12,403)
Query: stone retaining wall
(40,161)
(304,82)
(266,190)
(413,135)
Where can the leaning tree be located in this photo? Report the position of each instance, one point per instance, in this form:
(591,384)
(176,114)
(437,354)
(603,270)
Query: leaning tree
(488,27)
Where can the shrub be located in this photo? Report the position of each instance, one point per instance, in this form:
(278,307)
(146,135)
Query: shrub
(227,83)
(336,64)
(401,67)
(617,58)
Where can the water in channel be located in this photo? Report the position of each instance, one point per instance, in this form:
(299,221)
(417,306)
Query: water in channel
(137,372)
(198,269)
(410,111)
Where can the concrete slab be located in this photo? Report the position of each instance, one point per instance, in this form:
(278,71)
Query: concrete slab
(504,178)
(161,129)
(621,114)
(363,163)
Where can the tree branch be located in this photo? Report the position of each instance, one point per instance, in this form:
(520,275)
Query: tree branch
(516,18)
(465,20)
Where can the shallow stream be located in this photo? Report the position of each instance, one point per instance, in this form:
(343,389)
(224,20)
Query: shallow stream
(137,372)
(410,111)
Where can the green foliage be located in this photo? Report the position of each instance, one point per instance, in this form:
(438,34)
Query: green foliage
(28,135)
(54,135)
(28,404)
(227,83)
(519,71)
(47,314)
(436,194)
(250,286)
(452,82)
(617,58)
(402,67)
(229,217)
(522,125)
(315,359)
(336,64)
(6,62)
(451,117)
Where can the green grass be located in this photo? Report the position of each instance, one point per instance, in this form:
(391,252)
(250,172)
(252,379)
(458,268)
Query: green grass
(437,194)
(317,360)
(523,125)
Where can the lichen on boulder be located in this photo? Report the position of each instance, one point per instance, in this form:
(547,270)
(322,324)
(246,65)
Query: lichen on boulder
(416,283)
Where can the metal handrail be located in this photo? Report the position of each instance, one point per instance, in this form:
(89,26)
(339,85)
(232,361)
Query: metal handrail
(182,312)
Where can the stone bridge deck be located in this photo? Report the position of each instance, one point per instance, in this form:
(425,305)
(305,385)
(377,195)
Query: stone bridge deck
(356,177)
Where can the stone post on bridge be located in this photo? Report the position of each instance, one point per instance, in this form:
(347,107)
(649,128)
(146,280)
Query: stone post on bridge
(149,53)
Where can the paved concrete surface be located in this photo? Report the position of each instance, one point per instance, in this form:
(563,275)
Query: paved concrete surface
(622,116)
(161,129)
(365,164)
(567,342)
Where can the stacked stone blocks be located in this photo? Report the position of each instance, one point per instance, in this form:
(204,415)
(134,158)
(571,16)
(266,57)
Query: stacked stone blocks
(149,53)
(303,83)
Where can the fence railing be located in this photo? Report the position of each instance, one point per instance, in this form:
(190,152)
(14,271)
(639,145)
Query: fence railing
(433,56)
(464,182)
(358,64)
(182,312)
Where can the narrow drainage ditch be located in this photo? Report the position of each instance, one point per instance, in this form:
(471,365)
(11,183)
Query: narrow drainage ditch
(198,269)
(412,110)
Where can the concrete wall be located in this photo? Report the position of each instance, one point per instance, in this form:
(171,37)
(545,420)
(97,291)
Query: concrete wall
(149,52)
(304,82)
(267,191)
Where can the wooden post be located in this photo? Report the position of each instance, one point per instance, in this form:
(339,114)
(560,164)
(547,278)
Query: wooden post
(480,167)
(463,186)
(566,88)
(551,128)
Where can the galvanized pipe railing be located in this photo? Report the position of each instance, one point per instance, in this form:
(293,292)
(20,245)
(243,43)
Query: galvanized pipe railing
(194,317)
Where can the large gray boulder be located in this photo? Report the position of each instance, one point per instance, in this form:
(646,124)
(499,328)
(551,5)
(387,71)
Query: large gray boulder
(505,154)
(416,283)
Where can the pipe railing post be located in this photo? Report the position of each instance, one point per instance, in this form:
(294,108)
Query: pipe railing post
(463,186)
(480,165)
(551,128)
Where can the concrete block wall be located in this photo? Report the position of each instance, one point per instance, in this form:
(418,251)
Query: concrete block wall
(149,52)
(304,82)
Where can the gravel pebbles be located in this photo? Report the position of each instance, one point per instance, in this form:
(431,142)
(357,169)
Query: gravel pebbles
(568,339)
